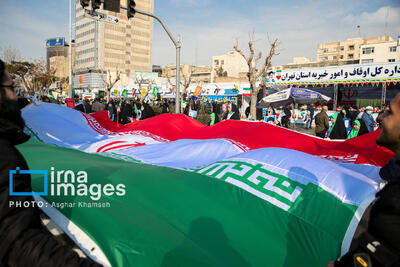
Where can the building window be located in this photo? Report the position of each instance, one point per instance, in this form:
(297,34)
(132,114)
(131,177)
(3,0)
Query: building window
(323,58)
(342,48)
(351,56)
(351,47)
(341,56)
(216,62)
(334,49)
(368,50)
(392,49)
(222,62)
(370,60)
(391,60)
(334,57)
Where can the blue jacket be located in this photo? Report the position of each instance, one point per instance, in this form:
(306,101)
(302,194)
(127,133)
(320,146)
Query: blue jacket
(369,121)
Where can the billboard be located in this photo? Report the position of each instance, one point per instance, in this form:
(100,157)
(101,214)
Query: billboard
(59,41)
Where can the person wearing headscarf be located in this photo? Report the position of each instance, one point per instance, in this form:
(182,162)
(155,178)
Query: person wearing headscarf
(338,129)
(214,119)
(147,111)
(233,113)
(354,131)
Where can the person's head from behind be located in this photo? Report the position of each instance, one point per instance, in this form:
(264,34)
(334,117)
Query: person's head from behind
(390,134)
(76,98)
(9,108)
(270,120)
(46,99)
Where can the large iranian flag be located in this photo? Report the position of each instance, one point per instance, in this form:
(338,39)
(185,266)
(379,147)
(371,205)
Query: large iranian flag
(169,191)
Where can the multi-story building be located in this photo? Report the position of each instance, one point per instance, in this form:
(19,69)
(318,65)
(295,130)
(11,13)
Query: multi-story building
(101,46)
(199,74)
(228,65)
(57,56)
(380,52)
(346,50)
(58,59)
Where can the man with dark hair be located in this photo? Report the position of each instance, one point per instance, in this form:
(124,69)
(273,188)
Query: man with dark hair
(23,239)
(79,105)
(379,245)
(87,105)
(322,122)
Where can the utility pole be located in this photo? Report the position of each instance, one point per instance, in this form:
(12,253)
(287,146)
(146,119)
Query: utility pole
(177,44)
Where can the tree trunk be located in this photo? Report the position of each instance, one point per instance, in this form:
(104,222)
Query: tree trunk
(108,94)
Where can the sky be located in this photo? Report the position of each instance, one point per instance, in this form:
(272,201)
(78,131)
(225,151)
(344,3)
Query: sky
(212,27)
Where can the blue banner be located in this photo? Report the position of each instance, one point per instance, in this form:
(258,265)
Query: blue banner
(303,93)
(218,98)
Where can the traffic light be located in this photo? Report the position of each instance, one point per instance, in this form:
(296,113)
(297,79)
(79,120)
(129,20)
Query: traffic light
(112,5)
(96,4)
(131,9)
(85,3)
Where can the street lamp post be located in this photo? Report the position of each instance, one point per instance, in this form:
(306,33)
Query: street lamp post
(178,45)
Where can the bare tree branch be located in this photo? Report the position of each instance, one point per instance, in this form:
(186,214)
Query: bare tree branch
(108,82)
(253,74)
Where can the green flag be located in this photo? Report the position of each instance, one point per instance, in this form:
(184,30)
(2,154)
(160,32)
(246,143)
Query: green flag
(145,215)
(124,92)
(155,91)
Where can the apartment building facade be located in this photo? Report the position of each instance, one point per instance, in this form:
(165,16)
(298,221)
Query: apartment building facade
(57,58)
(199,74)
(231,64)
(347,50)
(101,46)
(380,52)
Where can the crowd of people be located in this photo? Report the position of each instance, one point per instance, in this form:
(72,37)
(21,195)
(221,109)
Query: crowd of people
(217,112)
(123,111)
(26,242)
(361,122)
(347,122)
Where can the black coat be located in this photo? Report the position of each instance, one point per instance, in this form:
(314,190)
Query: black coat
(383,225)
(353,116)
(23,239)
(147,112)
(339,130)
(125,113)
(236,114)
(80,106)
